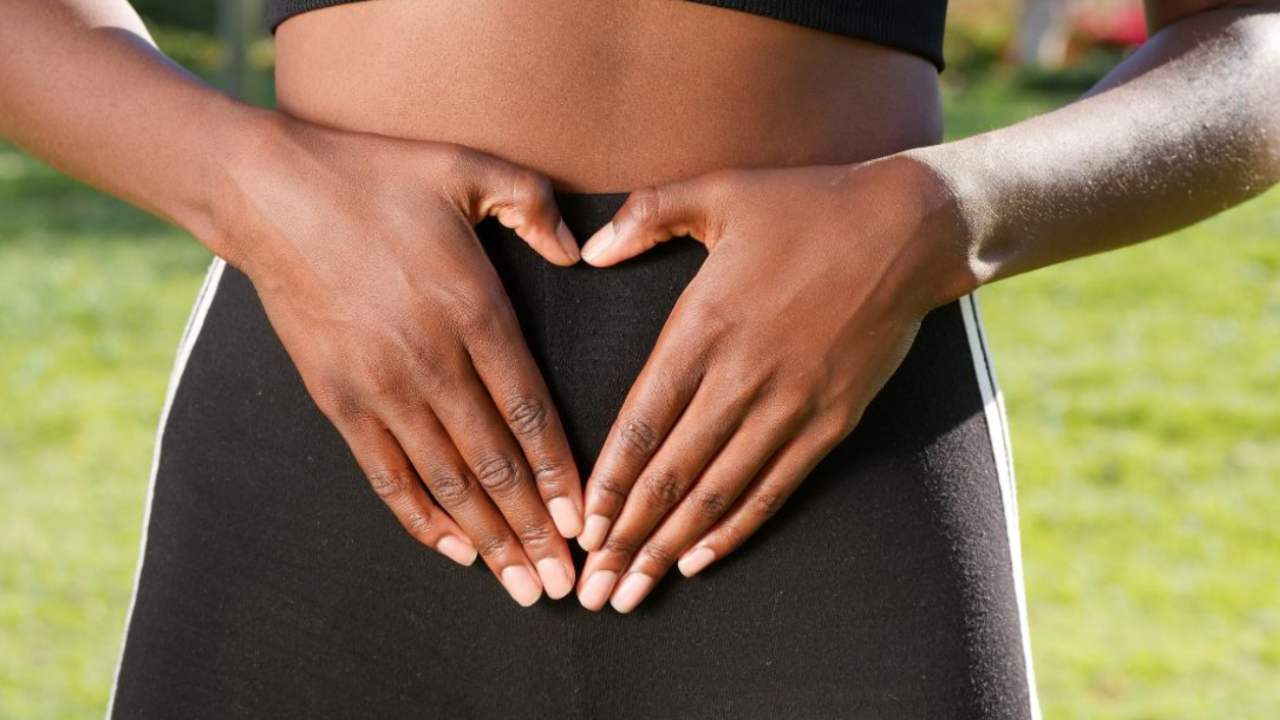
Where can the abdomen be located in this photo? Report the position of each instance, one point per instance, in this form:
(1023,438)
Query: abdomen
(606,96)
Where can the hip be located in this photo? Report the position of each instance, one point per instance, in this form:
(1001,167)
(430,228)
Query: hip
(888,586)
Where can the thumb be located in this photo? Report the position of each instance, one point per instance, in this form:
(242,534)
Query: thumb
(524,201)
(648,217)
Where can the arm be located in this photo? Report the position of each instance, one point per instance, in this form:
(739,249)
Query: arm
(1187,126)
(83,87)
(363,253)
(817,278)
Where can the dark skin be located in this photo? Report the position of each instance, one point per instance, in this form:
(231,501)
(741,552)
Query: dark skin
(424,373)
(739,401)
(823,258)
(409,346)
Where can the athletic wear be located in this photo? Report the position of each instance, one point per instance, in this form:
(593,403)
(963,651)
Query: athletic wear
(915,26)
(274,583)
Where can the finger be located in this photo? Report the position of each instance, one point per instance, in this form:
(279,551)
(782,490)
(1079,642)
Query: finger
(698,435)
(455,488)
(721,483)
(654,403)
(477,430)
(650,216)
(525,202)
(506,368)
(763,498)
(396,482)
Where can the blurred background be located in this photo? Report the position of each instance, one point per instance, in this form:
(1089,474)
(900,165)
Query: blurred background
(1143,389)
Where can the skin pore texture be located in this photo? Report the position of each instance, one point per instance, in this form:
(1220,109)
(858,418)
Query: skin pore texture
(605,96)
(802,160)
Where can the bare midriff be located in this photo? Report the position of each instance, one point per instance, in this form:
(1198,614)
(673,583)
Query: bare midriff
(606,95)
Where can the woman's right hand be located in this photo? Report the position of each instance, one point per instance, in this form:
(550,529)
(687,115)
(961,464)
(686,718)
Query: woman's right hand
(363,251)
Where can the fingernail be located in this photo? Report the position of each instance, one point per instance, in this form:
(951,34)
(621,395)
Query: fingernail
(695,560)
(632,590)
(456,550)
(596,590)
(520,584)
(599,242)
(593,533)
(567,242)
(566,516)
(556,578)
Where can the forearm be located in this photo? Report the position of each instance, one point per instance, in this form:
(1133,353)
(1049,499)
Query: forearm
(83,87)
(1187,126)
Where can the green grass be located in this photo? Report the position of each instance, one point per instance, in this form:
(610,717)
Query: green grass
(92,297)
(1141,385)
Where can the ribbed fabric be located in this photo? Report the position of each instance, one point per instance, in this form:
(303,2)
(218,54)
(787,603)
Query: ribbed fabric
(915,26)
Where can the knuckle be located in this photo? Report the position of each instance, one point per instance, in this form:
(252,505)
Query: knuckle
(786,416)
(620,546)
(498,474)
(550,475)
(659,553)
(610,486)
(768,502)
(436,372)
(492,545)
(471,313)
(433,378)
(711,504)
(387,388)
(729,533)
(644,205)
(419,524)
(527,415)
(638,435)
(535,535)
(850,420)
(335,402)
(664,487)
(831,430)
(465,302)
(794,414)
(388,482)
(712,318)
(549,471)
(452,160)
(735,378)
(530,189)
(419,345)
(450,487)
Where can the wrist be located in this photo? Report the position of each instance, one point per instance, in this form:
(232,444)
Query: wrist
(935,263)
(243,138)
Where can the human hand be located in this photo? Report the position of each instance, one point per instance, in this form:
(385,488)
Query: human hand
(363,251)
(815,284)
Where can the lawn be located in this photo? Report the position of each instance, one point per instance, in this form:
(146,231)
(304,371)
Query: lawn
(1142,388)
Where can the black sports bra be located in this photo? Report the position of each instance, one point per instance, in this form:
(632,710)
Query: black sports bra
(912,25)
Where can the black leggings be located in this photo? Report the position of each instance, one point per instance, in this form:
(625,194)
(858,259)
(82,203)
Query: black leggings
(274,584)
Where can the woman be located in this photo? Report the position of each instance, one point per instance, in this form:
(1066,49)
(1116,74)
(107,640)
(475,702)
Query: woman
(402,294)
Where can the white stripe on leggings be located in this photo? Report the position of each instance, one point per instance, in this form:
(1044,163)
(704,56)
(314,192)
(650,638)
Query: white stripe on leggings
(997,428)
(195,321)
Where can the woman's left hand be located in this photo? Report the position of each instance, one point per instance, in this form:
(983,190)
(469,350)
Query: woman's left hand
(815,284)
